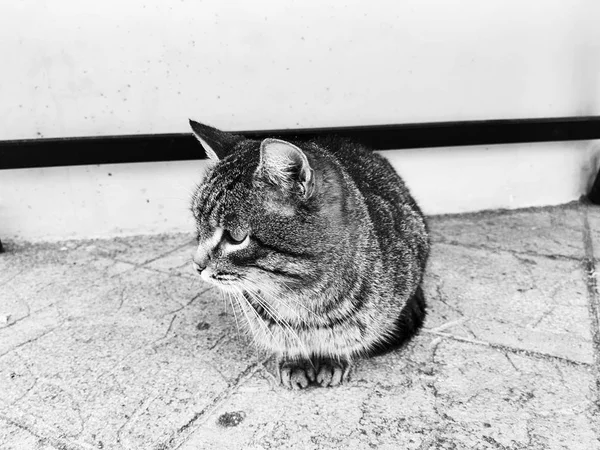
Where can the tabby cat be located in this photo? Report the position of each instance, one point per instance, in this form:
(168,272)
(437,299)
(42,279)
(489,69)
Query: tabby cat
(319,244)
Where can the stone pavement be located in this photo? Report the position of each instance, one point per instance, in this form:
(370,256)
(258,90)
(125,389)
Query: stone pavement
(116,344)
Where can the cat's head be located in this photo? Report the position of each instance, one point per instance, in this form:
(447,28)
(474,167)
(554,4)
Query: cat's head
(266,213)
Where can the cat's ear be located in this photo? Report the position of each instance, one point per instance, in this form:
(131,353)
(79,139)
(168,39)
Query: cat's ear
(285,165)
(216,143)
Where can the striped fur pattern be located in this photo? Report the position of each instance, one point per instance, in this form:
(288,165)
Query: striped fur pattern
(318,245)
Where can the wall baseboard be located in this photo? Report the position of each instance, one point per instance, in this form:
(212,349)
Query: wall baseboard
(180,147)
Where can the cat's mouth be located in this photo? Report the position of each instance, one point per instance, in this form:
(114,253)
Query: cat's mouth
(219,278)
(225,279)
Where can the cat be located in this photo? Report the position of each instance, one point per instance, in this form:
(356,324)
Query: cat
(319,244)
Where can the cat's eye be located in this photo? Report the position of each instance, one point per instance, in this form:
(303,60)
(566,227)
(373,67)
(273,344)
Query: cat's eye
(236,237)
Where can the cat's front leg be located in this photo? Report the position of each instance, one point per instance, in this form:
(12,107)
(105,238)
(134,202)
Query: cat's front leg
(332,371)
(296,373)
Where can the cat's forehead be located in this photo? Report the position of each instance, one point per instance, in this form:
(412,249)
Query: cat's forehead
(235,168)
(222,200)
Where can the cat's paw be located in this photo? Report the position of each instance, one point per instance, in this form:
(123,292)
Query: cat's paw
(332,372)
(296,374)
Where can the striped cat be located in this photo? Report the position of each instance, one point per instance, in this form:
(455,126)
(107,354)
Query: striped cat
(320,245)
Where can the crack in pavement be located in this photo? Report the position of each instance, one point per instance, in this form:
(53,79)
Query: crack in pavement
(431,384)
(179,247)
(22,396)
(533,324)
(143,406)
(165,272)
(218,341)
(515,253)
(48,435)
(512,363)
(168,328)
(121,298)
(151,260)
(180,436)
(506,348)
(9,279)
(76,399)
(28,341)
(441,297)
(182,307)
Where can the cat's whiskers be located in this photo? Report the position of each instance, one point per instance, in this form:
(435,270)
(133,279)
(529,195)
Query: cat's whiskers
(241,298)
(267,305)
(271,298)
(286,326)
(287,310)
(240,301)
(237,324)
(281,298)
(277,296)
(222,294)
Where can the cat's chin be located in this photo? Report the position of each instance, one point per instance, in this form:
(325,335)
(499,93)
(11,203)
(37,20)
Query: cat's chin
(230,287)
(221,280)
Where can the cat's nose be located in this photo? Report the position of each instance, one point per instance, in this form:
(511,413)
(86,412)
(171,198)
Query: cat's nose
(197,267)
(201,259)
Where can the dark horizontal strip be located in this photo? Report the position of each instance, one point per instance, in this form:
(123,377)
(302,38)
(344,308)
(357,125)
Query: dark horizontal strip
(177,147)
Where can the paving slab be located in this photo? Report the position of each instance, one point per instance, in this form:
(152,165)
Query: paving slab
(526,302)
(116,344)
(94,347)
(434,394)
(553,231)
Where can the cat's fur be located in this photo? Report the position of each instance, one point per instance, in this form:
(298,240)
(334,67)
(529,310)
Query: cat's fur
(319,244)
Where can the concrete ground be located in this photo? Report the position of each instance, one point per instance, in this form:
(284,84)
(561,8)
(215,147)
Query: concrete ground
(116,344)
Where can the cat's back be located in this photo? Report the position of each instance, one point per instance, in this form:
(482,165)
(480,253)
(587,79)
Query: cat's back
(398,221)
(371,172)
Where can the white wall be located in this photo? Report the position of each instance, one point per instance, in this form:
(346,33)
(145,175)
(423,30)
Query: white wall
(109,67)
(82,67)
